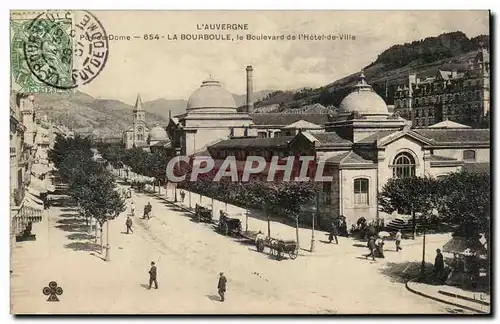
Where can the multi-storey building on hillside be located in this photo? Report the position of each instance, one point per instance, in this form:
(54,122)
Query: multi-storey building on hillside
(462,97)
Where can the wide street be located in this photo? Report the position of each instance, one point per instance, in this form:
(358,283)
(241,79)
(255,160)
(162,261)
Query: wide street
(334,279)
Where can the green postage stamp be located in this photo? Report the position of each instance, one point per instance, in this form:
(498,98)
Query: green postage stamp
(55,51)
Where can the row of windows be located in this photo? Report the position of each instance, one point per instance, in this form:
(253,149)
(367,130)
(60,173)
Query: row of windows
(404,166)
(450,98)
(242,155)
(139,137)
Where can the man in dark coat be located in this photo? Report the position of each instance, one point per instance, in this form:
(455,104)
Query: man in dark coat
(371,247)
(152,276)
(438,263)
(221,286)
(333,233)
(128,223)
(147,210)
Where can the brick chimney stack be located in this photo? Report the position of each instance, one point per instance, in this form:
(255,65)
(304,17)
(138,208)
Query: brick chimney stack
(249,102)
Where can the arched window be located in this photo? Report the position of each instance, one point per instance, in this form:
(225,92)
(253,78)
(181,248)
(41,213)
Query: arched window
(469,155)
(361,191)
(404,166)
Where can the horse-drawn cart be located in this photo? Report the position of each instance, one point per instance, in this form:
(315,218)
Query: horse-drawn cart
(229,226)
(203,214)
(280,247)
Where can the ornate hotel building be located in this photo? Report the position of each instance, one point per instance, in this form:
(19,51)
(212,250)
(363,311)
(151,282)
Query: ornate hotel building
(461,97)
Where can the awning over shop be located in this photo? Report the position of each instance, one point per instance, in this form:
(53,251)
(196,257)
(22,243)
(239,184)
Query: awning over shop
(37,185)
(39,169)
(33,200)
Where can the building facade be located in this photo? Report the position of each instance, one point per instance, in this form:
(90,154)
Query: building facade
(449,95)
(30,141)
(363,148)
(137,135)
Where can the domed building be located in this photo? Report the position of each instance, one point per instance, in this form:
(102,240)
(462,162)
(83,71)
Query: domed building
(362,148)
(364,101)
(211,116)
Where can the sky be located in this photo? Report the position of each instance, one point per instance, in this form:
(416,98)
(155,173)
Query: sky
(174,69)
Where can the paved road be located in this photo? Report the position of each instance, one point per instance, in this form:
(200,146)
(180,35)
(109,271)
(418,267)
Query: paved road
(189,256)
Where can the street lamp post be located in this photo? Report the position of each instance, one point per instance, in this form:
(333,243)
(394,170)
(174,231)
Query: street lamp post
(246,221)
(108,247)
(422,267)
(177,153)
(314,221)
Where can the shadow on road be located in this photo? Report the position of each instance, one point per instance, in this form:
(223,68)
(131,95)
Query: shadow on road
(98,256)
(80,236)
(72,227)
(83,246)
(359,245)
(213,297)
(404,271)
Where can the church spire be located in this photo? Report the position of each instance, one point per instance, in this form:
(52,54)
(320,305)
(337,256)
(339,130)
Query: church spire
(138,103)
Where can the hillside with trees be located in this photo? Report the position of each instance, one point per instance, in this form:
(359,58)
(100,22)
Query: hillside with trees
(447,51)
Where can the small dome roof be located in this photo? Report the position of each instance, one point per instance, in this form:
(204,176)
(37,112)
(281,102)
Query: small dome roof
(364,100)
(211,97)
(157,133)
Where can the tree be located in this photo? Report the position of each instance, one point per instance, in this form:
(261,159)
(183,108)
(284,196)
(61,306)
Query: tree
(410,196)
(466,203)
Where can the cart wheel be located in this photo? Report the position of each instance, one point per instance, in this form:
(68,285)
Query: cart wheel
(293,254)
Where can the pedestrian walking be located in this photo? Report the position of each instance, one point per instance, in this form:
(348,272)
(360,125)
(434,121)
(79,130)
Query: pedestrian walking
(183,195)
(221,286)
(152,276)
(333,233)
(147,210)
(371,247)
(398,240)
(129,193)
(128,223)
(132,209)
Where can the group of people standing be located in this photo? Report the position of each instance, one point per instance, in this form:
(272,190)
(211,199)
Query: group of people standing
(147,213)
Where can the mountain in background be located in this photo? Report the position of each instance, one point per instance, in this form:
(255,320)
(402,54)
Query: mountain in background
(109,118)
(425,57)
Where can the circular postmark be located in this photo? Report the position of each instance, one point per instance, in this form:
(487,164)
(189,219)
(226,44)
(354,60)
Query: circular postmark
(65,50)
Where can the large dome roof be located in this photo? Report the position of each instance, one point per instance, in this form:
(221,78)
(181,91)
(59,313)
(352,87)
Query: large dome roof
(211,97)
(157,133)
(363,100)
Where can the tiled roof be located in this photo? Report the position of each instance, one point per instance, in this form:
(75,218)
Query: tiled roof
(348,158)
(448,124)
(353,157)
(330,138)
(477,167)
(375,137)
(287,119)
(302,124)
(455,135)
(253,142)
(337,158)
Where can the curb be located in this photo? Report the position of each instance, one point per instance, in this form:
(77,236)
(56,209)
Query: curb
(441,300)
